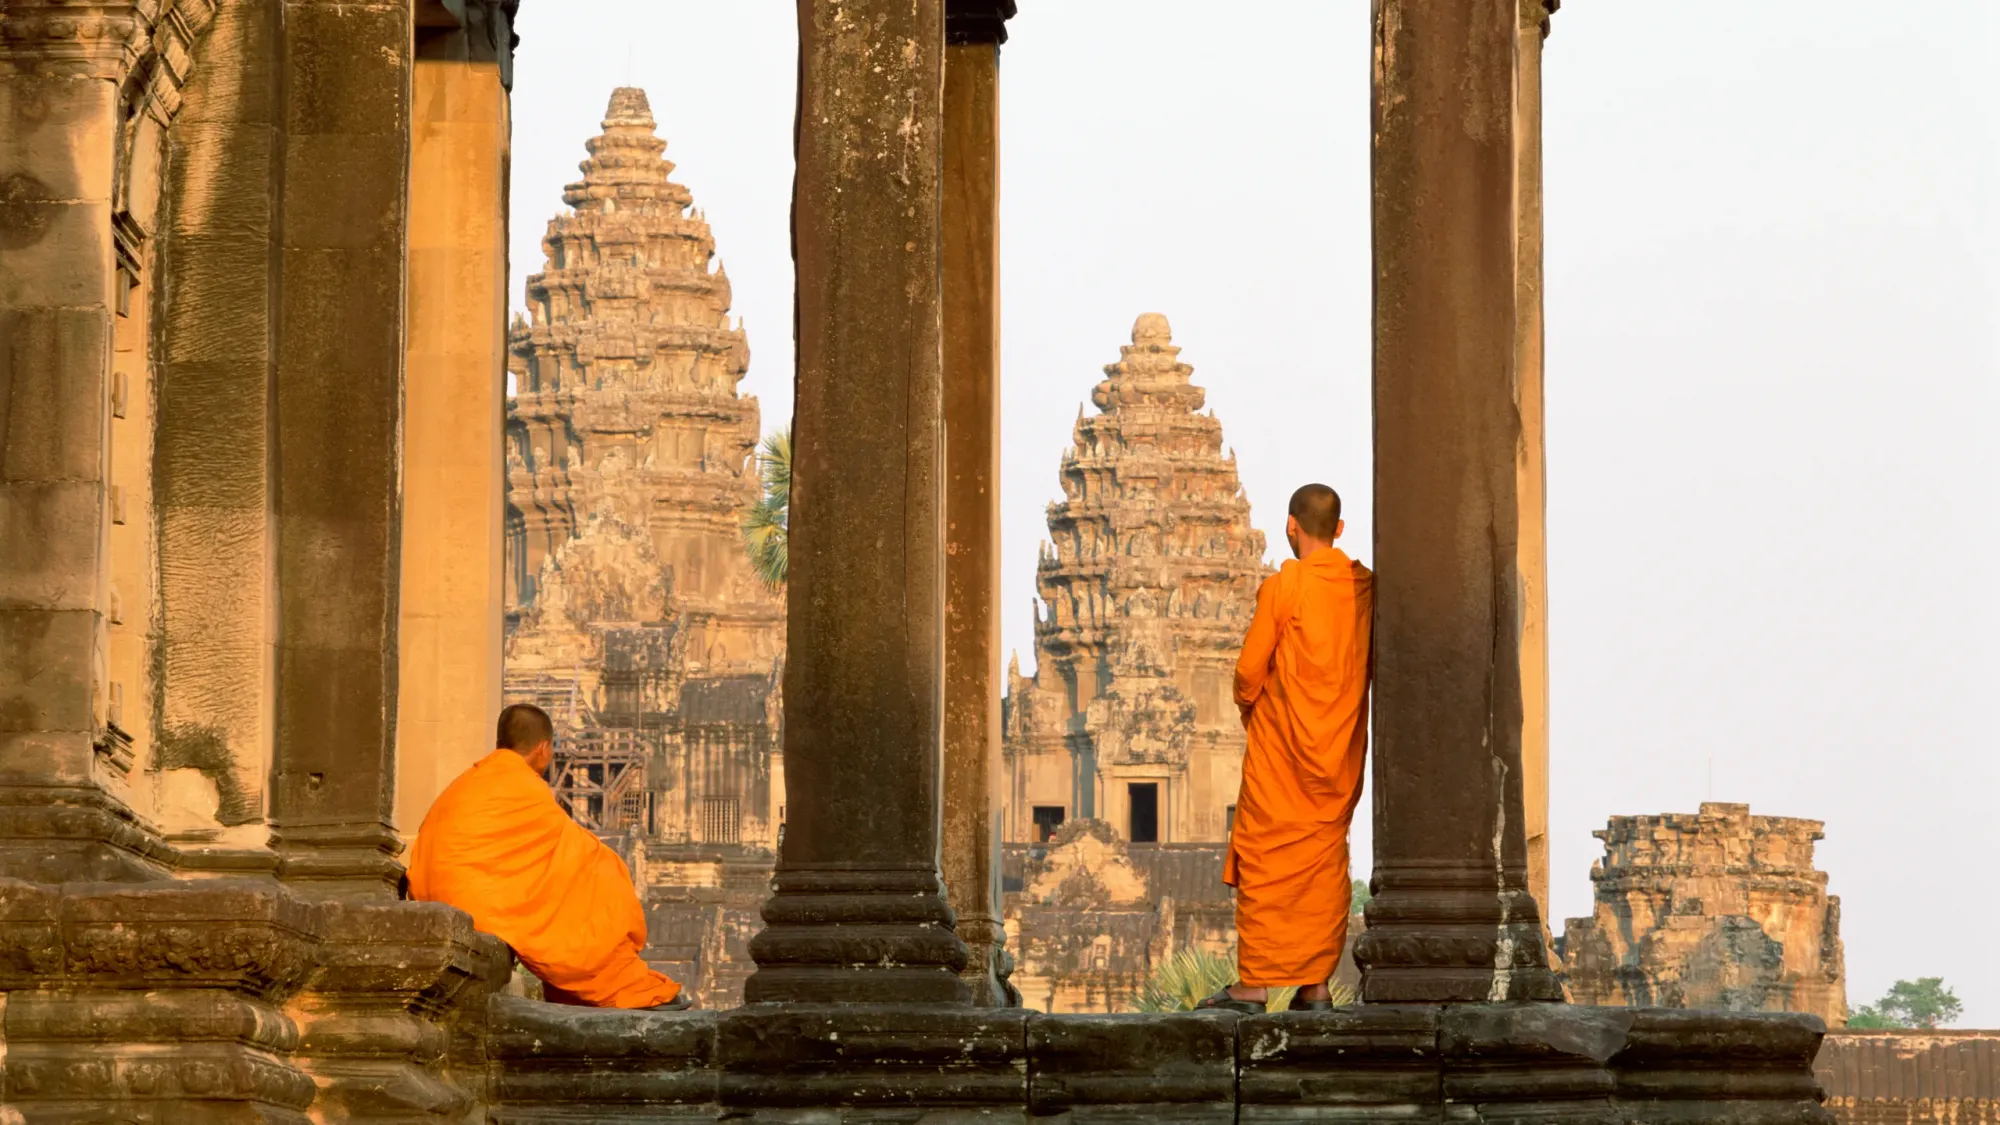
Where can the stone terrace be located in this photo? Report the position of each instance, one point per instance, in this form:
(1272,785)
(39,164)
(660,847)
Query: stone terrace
(251,362)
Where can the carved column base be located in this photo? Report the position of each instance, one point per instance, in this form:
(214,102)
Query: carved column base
(348,861)
(988,965)
(69,834)
(221,861)
(877,935)
(1445,933)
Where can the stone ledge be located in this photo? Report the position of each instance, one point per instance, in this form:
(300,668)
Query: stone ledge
(1514,1063)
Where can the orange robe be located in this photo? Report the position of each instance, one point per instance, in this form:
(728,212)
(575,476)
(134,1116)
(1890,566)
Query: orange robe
(497,846)
(1302,685)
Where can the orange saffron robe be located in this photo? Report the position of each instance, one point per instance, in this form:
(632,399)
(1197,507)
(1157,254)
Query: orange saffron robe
(496,845)
(1302,685)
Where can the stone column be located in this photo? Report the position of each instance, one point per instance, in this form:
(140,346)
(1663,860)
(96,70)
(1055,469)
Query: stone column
(214,644)
(454,406)
(69,251)
(974,30)
(1533,553)
(858,913)
(1452,919)
(336,428)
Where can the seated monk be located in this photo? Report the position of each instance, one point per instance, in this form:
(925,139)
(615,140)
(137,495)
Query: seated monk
(497,846)
(1302,685)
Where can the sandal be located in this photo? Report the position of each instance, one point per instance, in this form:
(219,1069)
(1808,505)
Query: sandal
(1222,1001)
(680,1003)
(1301,1004)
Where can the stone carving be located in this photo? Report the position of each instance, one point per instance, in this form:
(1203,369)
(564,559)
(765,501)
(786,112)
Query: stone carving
(1088,915)
(225,992)
(634,616)
(1147,584)
(1721,909)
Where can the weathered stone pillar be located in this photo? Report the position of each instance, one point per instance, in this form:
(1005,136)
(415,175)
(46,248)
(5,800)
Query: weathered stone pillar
(217,344)
(1533,552)
(454,406)
(974,30)
(858,914)
(1452,918)
(336,426)
(79,179)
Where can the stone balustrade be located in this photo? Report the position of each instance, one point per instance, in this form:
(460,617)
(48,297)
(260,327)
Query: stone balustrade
(1432,1062)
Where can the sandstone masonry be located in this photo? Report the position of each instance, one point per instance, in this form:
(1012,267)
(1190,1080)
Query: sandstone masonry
(1720,909)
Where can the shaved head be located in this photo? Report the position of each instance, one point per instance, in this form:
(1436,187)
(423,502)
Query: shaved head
(523,726)
(1317,509)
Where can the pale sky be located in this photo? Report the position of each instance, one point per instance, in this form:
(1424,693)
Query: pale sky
(1773,304)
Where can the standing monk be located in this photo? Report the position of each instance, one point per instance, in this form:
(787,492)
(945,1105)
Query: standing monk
(1302,685)
(497,846)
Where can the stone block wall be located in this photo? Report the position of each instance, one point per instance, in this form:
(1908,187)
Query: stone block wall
(1514,1063)
(1911,1077)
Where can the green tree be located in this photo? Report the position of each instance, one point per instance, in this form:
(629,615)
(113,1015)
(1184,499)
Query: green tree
(766,527)
(1867,1018)
(1360,898)
(1924,1002)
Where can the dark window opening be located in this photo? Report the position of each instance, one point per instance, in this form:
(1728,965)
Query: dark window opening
(1145,818)
(1048,818)
(1229,820)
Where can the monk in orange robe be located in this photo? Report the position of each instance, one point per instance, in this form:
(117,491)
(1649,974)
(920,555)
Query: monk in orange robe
(1302,686)
(496,845)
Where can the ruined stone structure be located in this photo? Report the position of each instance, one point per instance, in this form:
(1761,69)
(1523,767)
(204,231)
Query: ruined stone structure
(637,620)
(1721,910)
(1149,582)
(226,349)
(1089,915)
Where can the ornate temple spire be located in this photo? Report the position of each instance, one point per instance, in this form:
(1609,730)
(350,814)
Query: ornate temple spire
(627,374)
(1149,372)
(1149,576)
(627,165)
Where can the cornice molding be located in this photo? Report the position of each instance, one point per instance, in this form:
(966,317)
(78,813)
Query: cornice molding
(977,21)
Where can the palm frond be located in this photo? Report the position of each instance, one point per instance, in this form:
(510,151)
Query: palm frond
(1194,973)
(1188,976)
(774,466)
(766,526)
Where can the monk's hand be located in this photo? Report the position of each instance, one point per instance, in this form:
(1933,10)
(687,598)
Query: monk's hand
(1246,709)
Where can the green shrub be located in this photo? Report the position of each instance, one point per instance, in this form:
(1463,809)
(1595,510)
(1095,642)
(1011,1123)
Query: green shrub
(1194,973)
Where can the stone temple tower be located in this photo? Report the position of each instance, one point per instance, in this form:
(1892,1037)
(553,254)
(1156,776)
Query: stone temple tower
(1149,582)
(1721,909)
(634,616)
